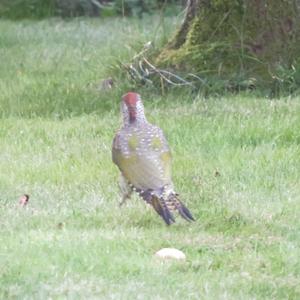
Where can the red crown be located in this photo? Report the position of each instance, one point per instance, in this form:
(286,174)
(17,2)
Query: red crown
(131,98)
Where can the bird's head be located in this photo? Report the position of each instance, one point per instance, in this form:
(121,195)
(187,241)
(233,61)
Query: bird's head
(132,108)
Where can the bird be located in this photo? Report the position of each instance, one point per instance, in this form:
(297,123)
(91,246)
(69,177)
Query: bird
(142,154)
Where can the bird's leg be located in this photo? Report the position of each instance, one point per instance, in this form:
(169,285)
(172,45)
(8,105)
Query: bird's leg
(126,190)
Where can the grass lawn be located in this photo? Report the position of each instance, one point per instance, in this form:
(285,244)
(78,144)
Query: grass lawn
(236,166)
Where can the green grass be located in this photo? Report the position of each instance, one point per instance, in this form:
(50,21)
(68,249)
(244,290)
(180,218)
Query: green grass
(73,241)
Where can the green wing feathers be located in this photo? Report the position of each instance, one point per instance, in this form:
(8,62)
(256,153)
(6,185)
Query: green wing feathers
(144,172)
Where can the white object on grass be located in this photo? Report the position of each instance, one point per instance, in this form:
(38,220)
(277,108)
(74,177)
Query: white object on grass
(170,253)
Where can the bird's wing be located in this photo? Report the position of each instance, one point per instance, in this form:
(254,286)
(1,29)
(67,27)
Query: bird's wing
(150,172)
(115,148)
(146,167)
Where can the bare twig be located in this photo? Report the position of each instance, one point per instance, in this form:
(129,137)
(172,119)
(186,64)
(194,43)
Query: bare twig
(142,70)
(161,73)
(184,82)
(197,77)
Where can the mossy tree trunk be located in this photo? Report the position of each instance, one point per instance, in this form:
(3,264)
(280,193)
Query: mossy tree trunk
(238,41)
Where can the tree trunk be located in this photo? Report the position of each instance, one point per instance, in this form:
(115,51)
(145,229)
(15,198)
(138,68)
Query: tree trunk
(181,34)
(238,41)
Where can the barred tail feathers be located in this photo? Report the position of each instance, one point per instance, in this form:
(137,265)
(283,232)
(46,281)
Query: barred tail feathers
(158,204)
(174,203)
(164,202)
(162,209)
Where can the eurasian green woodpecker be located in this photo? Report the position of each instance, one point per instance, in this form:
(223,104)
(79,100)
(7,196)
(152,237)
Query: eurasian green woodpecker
(141,152)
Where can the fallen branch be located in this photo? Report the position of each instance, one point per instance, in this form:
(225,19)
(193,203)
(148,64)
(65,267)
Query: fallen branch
(141,70)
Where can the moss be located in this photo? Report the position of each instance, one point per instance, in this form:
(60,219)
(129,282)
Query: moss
(238,40)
